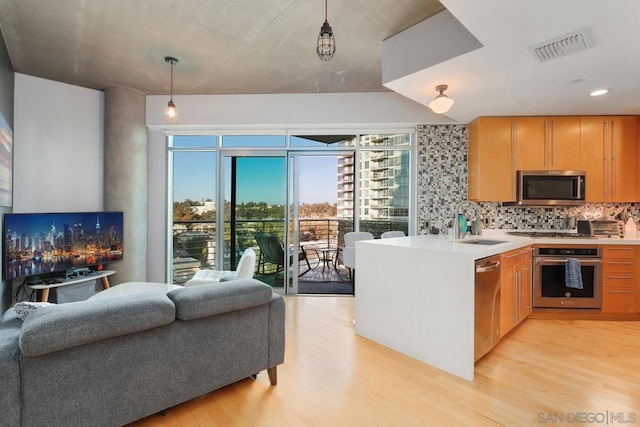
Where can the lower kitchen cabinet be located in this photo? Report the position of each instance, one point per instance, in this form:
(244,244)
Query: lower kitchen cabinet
(619,272)
(515,288)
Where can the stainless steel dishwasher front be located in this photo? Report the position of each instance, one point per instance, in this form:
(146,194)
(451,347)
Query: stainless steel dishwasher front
(487,305)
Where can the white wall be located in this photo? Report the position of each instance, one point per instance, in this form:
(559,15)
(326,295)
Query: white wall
(58,146)
(259,112)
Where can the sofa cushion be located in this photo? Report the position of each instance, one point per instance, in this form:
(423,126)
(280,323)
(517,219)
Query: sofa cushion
(63,326)
(208,300)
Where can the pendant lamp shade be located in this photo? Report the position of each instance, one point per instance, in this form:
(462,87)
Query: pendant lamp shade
(442,103)
(171,112)
(326,46)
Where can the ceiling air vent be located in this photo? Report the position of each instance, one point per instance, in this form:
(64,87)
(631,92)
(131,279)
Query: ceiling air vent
(563,45)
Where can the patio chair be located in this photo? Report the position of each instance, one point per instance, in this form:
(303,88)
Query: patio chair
(348,253)
(390,234)
(272,252)
(243,271)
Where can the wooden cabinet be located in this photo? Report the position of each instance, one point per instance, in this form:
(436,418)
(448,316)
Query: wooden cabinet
(609,156)
(547,143)
(619,272)
(530,143)
(490,167)
(499,146)
(515,288)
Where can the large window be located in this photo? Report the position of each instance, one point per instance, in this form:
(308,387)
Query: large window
(373,189)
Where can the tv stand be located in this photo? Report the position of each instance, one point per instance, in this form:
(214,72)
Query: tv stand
(56,282)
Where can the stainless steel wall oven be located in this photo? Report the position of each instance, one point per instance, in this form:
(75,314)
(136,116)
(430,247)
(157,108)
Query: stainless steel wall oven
(549,287)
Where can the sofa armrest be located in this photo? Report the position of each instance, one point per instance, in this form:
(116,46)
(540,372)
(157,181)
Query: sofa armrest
(58,327)
(10,326)
(276,330)
(195,302)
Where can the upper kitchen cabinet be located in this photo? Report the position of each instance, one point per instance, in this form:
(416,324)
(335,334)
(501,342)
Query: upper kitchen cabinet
(547,143)
(490,162)
(609,156)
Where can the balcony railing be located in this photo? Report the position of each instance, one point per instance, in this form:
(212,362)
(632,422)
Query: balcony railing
(194,242)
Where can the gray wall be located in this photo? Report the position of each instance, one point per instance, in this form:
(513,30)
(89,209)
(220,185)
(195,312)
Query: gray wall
(7,77)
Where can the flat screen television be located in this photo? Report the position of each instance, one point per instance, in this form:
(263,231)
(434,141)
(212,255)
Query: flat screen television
(56,244)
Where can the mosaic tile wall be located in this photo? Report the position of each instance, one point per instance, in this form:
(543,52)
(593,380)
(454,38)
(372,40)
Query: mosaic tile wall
(442,184)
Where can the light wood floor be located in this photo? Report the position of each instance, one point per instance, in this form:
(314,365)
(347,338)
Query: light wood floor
(544,372)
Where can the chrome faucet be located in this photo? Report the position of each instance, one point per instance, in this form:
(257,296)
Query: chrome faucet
(456,224)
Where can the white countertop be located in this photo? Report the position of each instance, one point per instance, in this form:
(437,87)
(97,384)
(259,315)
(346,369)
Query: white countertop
(416,294)
(445,243)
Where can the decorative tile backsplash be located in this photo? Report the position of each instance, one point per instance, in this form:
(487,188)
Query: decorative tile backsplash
(442,184)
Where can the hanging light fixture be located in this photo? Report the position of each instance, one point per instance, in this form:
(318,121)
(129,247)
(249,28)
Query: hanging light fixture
(326,42)
(171,113)
(442,103)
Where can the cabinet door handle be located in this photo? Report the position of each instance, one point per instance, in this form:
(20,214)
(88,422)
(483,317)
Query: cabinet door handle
(620,262)
(611,291)
(621,277)
(518,254)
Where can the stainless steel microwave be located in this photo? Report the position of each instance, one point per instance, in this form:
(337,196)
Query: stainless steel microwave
(550,188)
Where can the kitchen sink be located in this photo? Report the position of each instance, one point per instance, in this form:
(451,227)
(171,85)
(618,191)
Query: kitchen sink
(487,242)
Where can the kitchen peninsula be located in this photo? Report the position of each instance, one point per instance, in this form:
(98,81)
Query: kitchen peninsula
(415,294)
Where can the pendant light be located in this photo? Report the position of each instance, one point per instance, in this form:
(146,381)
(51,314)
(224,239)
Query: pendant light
(442,103)
(171,113)
(326,42)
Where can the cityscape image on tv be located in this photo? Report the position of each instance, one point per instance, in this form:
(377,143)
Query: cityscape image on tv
(38,244)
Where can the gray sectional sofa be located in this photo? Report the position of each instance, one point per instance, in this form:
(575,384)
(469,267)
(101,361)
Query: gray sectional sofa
(115,360)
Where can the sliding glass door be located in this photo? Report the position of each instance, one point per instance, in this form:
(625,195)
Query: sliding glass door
(322,211)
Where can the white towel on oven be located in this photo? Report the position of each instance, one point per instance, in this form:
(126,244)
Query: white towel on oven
(573,274)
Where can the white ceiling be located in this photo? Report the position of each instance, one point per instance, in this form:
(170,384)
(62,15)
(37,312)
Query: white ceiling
(504,78)
(268,46)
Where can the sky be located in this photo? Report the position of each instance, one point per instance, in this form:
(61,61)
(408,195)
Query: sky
(259,178)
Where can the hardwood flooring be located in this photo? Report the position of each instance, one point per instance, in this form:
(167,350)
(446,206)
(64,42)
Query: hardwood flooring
(545,372)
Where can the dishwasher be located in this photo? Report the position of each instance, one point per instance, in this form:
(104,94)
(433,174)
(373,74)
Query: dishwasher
(487,305)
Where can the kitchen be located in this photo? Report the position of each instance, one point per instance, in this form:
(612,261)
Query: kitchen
(435,324)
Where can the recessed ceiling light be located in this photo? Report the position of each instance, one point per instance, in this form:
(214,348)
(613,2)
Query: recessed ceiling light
(599,92)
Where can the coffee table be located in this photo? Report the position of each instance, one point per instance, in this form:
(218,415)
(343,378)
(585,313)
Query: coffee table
(132,288)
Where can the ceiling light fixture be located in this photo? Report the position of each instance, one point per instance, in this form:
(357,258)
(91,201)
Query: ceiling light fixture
(442,103)
(326,42)
(599,92)
(171,113)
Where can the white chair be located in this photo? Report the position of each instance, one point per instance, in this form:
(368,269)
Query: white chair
(390,234)
(349,251)
(246,265)
(244,270)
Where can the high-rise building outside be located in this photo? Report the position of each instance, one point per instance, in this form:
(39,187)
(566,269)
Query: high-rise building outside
(383,178)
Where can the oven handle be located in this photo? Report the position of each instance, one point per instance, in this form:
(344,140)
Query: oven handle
(565,260)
